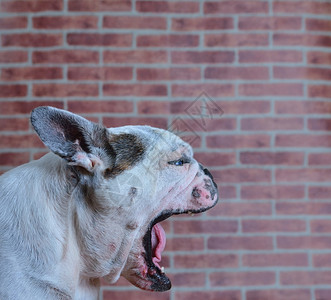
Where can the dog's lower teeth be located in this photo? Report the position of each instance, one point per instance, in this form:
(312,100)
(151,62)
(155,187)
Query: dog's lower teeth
(162,270)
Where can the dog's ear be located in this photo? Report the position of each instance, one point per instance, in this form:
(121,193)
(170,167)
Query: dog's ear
(68,135)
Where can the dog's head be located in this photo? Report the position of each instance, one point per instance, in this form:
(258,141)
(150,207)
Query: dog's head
(125,181)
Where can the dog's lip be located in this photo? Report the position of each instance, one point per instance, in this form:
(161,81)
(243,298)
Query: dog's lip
(160,282)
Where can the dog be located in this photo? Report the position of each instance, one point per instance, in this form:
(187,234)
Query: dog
(92,207)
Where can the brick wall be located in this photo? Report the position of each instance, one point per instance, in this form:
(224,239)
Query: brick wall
(266,64)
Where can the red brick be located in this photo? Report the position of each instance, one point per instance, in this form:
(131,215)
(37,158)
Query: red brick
(262,192)
(279,225)
(100,73)
(235,73)
(238,141)
(134,22)
(243,175)
(65,57)
(272,158)
(183,107)
(205,226)
(13,22)
(267,23)
(320,226)
(282,39)
(65,22)
(319,91)
(32,40)
(303,175)
(134,90)
(188,279)
(275,260)
(278,294)
(198,124)
(17,90)
(236,40)
(322,294)
(135,56)
(14,159)
(208,295)
(319,192)
(65,90)
(263,124)
(241,209)
(302,107)
(31,5)
(319,124)
(318,25)
(153,107)
(305,277)
(302,73)
(14,124)
(202,57)
(322,260)
(171,40)
(235,7)
(185,244)
(24,107)
(302,140)
(271,89)
(211,159)
(20,141)
(319,159)
(116,122)
(13,56)
(95,39)
(168,74)
(265,56)
(99,5)
(112,106)
(194,90)
(31,73)
(133,295)
(240,243)
(303,208)
(242,278)
(227,192)
(204,23)
(245,107)
(167,7)
(206,261)
(315,57)
(310,7)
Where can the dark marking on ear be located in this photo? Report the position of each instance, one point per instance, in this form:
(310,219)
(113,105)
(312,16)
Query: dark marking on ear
(128,149)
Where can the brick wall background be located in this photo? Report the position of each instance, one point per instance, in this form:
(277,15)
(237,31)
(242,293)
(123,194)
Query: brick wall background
(266,64)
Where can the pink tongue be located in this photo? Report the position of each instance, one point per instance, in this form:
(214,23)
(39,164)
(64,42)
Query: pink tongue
(158,243)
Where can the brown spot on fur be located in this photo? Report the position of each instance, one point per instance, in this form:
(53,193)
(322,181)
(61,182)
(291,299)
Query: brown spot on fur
(128,150)
(132,225)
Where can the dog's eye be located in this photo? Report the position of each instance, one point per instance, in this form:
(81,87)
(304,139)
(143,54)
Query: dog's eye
(178,162)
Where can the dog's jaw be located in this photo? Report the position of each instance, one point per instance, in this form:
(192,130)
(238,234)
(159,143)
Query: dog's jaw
(142,268)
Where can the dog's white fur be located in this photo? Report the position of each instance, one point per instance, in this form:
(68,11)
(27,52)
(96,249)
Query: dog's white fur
(62,227)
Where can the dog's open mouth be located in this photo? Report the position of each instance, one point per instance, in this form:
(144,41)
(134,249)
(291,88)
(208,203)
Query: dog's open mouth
(154,243)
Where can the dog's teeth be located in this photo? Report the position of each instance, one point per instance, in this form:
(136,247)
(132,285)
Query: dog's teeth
(191,213)
(162,270)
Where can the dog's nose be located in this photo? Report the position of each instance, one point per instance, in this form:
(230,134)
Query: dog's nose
(206,172)
(210,184)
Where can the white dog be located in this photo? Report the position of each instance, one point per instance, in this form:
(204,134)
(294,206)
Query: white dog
(92,208)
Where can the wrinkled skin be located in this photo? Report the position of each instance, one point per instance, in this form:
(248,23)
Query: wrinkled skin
(92,208)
